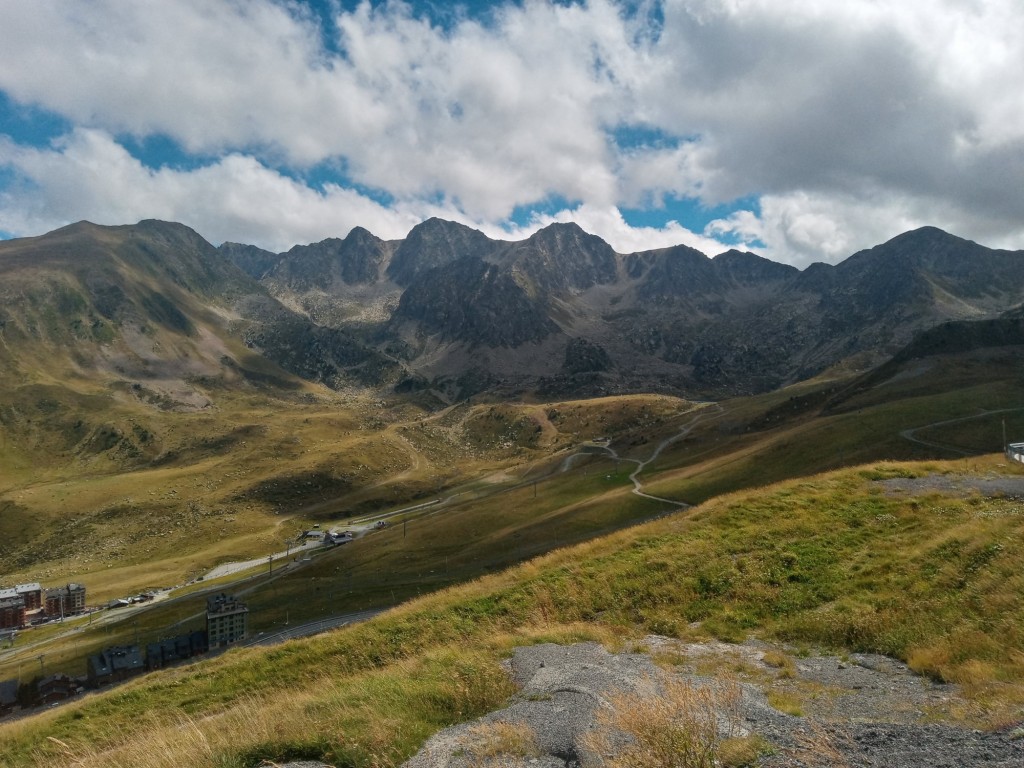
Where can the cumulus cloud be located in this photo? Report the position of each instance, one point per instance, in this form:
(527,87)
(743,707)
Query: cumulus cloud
(88,175)
(609,224)
(848,122)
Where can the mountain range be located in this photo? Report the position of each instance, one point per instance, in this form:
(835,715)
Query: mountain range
(448,313)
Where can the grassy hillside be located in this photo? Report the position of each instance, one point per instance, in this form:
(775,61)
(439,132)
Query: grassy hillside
(236,482)
(240,482)
(945,405)
(921,560)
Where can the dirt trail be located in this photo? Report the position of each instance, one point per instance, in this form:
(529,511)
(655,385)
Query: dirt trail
(415,460)
(642,464)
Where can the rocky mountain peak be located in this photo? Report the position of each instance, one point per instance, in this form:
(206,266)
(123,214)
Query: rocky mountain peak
(915,265)
(676,272)
(472,301)
(562,257)
(433,243)
(729,324)
(252,260)
(170,230)
(360,237)
(744,267)
(355,260)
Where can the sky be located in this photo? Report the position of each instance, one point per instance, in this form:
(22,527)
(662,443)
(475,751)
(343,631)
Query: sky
(803,130)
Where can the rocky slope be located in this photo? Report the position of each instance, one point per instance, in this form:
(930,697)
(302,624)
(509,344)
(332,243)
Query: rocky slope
(455,312)
(876,711)
(456,304)
(151,315)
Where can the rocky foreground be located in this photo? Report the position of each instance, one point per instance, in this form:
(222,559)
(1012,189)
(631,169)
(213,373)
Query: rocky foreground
(580,705)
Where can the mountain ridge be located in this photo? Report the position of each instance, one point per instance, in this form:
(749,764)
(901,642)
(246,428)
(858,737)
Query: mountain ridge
(449,304)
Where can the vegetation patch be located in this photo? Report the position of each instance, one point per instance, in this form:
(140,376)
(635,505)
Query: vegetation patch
(803,561)
(688,725)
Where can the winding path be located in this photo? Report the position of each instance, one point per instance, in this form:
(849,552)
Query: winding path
(909,434)
(368,523)
(641,464)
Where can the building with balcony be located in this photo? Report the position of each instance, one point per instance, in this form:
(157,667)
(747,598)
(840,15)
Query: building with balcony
(12,609)
(65,601)
(227,620)
(33,595)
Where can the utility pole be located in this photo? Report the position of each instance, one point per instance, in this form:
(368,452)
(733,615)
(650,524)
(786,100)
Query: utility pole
(1005,444)
(270,563)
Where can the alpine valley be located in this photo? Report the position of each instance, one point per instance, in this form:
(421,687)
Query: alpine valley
(531,441)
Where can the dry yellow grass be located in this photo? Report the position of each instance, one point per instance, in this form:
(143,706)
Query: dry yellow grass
(823,561)
(684,725)
(781,661)
(122,530)
(503,740)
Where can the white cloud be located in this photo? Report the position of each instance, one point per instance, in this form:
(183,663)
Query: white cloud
(89,176)
(799,228)
(844,119)
(609,224)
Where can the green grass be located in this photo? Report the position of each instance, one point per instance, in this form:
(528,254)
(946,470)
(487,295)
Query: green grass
(739,449)
(430,550)
(201,516)
(833,561)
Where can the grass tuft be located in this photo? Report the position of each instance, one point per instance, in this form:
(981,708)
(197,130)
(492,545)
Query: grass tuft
(687,726)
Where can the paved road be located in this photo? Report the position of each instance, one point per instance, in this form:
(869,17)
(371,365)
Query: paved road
(312,627)
(910,434)
(367,524)
(226,569)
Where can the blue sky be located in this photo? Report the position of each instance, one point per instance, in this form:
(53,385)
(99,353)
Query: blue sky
(800,129)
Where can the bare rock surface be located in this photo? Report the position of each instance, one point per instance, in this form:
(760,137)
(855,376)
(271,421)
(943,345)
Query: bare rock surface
(862,711)
(992,486)
(560,689)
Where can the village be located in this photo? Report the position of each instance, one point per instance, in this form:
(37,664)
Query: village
(227,622)
(24,607)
